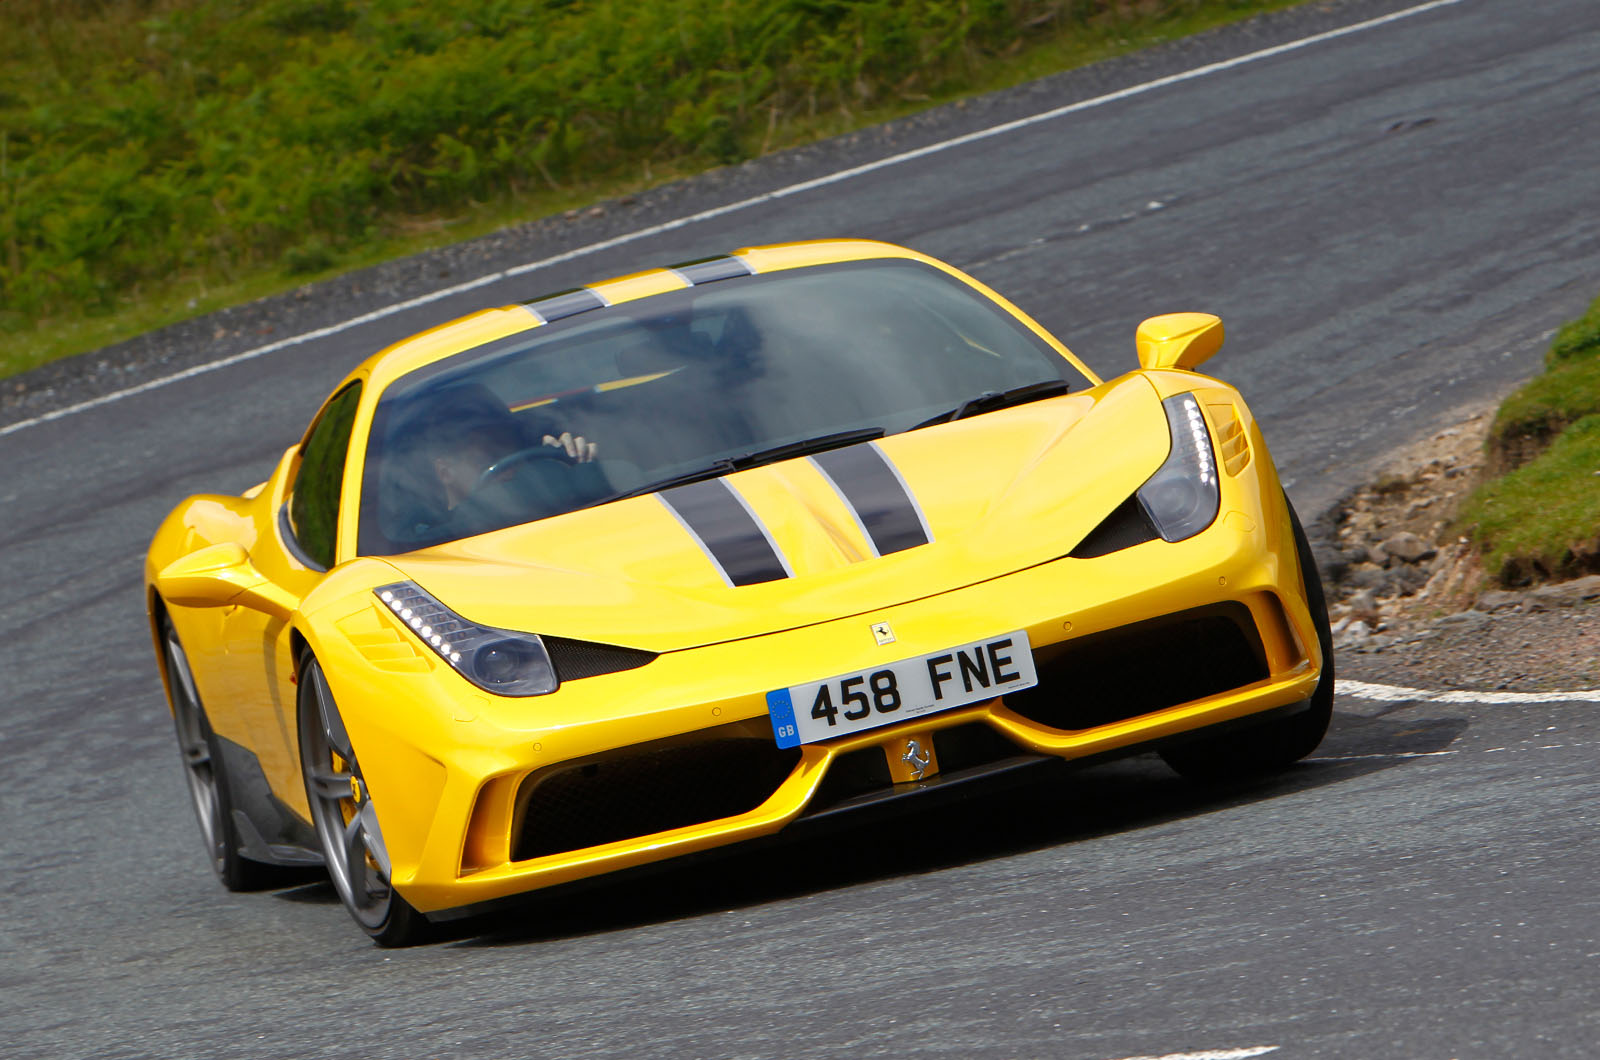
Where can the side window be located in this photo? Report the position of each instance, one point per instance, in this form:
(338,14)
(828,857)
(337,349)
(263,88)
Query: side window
(314,505)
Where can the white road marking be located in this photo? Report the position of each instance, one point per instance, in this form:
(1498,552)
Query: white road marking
(1213,1054)
(734,207)
(1391,754)
(1401,694)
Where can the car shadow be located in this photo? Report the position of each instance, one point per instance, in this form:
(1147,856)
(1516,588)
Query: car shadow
(1105,799)
(312,891)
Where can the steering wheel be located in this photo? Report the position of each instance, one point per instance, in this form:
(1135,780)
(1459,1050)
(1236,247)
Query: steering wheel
(521,456)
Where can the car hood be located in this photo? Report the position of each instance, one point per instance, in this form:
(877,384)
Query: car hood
(997,493)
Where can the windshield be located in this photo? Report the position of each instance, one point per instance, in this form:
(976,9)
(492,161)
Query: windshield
(679,385)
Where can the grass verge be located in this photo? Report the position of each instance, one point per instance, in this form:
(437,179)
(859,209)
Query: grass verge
(1537,517)
(160,159)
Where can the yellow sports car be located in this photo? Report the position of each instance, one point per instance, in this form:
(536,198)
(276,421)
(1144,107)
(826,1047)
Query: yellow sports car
(710,552)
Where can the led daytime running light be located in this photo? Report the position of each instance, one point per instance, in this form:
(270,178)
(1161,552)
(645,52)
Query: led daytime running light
(501,661)
(1183,496)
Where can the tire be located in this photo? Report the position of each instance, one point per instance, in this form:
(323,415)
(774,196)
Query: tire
(346,819)
(1279,743)
(207,776)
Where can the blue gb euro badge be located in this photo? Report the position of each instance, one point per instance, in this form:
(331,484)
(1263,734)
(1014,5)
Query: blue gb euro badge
(781,709)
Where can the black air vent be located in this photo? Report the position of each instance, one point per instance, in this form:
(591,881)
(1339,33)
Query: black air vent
(576,659)
(1126,526)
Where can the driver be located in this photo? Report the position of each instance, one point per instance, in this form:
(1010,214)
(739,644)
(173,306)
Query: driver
(468,429)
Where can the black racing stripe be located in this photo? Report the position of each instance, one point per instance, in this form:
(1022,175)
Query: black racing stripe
(708,270)
(566,303)
(733,539)
(870,485)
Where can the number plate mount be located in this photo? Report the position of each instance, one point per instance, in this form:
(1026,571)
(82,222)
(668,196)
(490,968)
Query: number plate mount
(901,690)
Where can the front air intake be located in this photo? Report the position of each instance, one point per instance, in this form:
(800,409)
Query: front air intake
(1145,667)
(648,788)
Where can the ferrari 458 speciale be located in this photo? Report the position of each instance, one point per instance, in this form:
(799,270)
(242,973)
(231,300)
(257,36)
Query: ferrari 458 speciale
(713,552)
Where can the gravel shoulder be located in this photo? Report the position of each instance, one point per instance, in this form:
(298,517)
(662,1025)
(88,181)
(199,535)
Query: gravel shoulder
(1409,601)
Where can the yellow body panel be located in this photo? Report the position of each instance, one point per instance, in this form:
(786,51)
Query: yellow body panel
(639,285)
(1007,496)
(1178,340)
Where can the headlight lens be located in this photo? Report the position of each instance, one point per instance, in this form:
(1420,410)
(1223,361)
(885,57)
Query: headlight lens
(496,660)
(1182,497)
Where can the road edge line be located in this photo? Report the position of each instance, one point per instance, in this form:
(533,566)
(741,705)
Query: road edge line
(1402,694)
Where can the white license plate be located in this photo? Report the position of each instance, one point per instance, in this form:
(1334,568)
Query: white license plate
(906,688)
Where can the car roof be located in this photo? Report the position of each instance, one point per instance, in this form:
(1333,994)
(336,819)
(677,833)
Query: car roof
(435,344)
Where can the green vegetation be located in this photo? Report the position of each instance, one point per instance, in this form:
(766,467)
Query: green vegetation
(1567,391)
(159,158)
(1540,518)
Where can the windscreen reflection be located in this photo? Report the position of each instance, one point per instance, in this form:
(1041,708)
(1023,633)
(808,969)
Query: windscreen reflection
(674,385)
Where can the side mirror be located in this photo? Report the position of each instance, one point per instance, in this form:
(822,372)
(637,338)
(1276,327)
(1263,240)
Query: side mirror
(218,575)
(1178,340)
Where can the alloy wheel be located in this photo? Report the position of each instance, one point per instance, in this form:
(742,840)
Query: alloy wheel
(345,818)
(194,745)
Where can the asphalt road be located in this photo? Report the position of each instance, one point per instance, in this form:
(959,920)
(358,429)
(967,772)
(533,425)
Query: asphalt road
(1390,223)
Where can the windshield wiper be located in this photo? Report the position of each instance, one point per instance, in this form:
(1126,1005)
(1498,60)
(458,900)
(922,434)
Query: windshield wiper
(711,470)
(990,400)
(729,464)
(806,446)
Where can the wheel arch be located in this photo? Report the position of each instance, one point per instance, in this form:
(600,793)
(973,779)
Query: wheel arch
(299,648)
(157,615)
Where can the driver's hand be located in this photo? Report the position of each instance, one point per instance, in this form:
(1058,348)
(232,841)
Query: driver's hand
(578,448)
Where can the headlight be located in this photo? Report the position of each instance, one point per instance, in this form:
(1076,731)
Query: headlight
(1182,497)
(496,660)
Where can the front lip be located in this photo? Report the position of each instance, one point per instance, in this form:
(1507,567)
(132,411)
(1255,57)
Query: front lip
(446,898)
(922,796)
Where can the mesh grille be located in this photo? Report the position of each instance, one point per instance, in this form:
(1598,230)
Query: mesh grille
(1124,673)
(574,659)
(643,790)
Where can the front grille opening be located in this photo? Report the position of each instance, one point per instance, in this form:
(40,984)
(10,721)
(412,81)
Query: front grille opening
(649,788)
(970,745)
(866,770)
(850,774)
(1149,666)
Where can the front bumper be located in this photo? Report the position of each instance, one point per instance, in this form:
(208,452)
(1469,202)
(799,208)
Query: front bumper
(483,798)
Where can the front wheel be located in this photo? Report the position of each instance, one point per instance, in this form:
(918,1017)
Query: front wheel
(1279,743)
(347,820)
